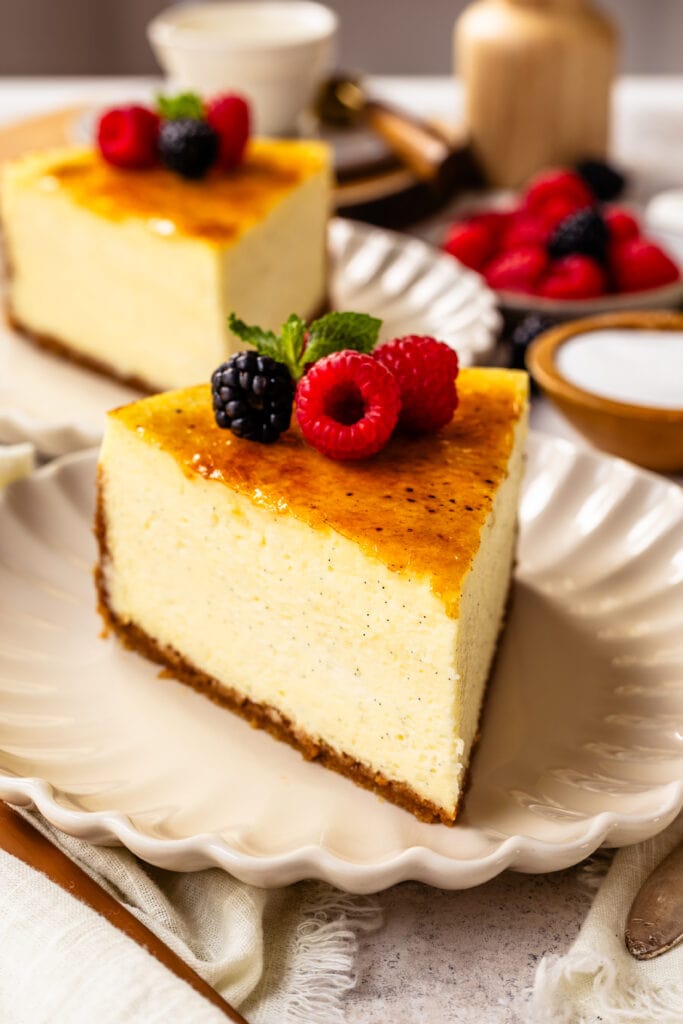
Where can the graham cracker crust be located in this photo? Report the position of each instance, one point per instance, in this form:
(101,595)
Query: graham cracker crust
(261,716)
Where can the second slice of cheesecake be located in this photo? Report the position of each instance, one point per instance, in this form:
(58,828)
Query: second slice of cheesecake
(133,272)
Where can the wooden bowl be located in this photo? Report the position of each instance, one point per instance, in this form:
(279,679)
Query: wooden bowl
(647,435)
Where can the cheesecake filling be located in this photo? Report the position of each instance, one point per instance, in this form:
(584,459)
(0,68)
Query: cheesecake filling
(367,660)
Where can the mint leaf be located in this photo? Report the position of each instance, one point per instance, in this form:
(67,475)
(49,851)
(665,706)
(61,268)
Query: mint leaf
(186,104)
(335,331)
(331,333)
(265,342)
(292,343)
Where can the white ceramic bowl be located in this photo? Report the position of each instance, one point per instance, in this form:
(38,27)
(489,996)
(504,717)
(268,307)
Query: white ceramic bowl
(275,53)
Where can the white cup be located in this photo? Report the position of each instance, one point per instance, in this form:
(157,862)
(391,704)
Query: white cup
(274,52)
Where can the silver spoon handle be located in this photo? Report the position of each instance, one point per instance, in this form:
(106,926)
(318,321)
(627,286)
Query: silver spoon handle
(655,921)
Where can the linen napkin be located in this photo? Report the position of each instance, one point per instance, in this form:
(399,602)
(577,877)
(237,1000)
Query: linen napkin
(598,980)
(280,955)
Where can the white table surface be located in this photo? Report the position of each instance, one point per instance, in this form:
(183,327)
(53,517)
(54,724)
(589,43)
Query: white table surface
(457,957)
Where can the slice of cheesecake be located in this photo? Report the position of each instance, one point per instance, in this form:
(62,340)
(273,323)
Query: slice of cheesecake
(135,272)
(352,609)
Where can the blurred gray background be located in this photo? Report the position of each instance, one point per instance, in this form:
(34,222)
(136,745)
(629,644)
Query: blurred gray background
(77,37)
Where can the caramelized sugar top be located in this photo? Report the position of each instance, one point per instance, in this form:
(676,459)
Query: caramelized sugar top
(216,209)
(418,506)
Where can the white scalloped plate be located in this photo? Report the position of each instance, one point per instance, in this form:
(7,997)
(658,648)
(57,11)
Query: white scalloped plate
(582,737)
(414,288)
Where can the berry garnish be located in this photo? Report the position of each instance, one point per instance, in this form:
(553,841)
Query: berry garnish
(188,146)
(582,232)
(298,345)
(253,392)
(518,270)
(425,370)
(229,117)
(252,396)
(605,182)
(347,405)
(186,135)
(637,264)
(183,105)
(128,136)
(573,277)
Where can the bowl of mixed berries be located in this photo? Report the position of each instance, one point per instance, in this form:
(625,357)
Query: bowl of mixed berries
(565,248)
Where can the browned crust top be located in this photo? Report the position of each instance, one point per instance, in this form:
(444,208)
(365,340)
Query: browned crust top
(216,210)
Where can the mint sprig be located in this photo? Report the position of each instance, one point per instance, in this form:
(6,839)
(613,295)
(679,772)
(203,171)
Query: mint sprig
(336,331)
(297,346)
(265,342)
(292,342)
(185,104)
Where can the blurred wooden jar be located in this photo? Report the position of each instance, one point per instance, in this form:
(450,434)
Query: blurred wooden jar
(538,76)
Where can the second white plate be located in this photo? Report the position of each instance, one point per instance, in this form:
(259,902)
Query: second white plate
(582,741)
(415,289)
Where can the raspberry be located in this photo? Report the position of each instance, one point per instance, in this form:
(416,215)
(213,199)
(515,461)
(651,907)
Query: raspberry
(473,243)
(558,209)
(128,136)
(573,277)
(605,182)
(229,117)
(638,264)
(621,224)
(495,221)
(518,270)
(347,405)
(523,230)
(425,370)
(556,184)
(188,146)
(582,232)
(252,396)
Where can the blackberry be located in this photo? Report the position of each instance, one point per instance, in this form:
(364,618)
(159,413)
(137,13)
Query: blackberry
(188,146)
(605,182)
(524,333)
(584,232)
(253,396)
